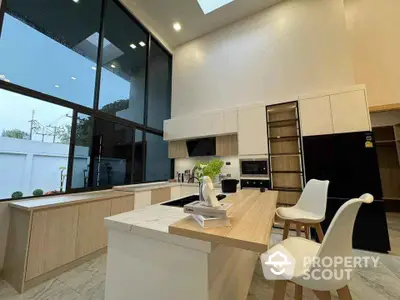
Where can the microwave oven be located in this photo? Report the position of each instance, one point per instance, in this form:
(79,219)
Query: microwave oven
(254,167)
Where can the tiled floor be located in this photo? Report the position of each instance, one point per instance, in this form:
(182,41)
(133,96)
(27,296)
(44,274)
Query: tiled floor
(87,282)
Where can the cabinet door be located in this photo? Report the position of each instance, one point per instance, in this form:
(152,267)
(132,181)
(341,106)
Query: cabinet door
(122,204)
(92,234)
(230,119)
(189,190)
(252,134)
(53,240)
(350,112)
(177,149)
(175,192)
(142,199)
(160,195)
(227,145)
(316,116)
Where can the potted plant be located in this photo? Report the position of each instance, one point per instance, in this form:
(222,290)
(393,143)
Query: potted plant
(37,192)
(211,169)
(17,195)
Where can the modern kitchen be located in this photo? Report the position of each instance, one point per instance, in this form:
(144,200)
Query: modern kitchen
(279,141)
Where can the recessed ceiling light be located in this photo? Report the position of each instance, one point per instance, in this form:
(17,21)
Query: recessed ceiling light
(113,66)
(57,86)
(73,78)
(133,46)
(142,44)
(76,1)
(210,5)
(93,68)
(177,26)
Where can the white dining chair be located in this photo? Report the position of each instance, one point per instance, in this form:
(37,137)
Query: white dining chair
(338,243)
(309,210)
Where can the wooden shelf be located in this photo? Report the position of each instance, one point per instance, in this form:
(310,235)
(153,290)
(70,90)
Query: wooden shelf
(285,154)
(288,172)
(385,142)
(283,123)
(284,138)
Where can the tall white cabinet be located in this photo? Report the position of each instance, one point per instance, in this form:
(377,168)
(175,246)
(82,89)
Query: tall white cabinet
(252,130)
(340,112)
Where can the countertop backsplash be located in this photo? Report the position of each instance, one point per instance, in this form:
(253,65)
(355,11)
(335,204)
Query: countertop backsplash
(182,164)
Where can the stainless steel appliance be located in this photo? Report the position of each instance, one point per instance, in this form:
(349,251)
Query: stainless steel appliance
(257,167)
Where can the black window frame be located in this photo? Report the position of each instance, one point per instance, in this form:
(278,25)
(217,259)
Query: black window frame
(93,111)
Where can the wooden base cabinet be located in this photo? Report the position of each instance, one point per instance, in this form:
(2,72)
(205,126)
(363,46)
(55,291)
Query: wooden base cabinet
(43,242)
(52,241)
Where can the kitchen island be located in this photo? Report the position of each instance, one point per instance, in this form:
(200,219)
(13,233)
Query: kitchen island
(159,252)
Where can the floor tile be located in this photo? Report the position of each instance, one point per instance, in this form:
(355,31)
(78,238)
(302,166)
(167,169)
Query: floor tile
(83,278)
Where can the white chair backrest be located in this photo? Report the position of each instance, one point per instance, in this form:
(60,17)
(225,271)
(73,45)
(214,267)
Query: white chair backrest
(338,240)
(314,197)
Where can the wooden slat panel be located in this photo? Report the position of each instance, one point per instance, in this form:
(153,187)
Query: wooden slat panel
(92,234)
(230,272)
(289,180)
(288,198)
(177,149)
(17,248)
(285,163)
(160,195)
(282,115)
(53,240)
(283,131)
(282,147)
(227,145)
(122,204)
(246,230)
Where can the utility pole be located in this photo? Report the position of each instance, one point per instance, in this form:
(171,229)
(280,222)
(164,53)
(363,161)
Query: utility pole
(31,121)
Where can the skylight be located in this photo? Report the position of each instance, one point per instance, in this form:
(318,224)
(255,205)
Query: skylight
(210,5)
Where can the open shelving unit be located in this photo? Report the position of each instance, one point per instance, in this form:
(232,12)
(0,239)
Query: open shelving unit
(387,140)
(285,152)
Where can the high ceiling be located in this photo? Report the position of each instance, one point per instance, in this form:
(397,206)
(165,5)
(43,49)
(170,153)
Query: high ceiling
(159,15)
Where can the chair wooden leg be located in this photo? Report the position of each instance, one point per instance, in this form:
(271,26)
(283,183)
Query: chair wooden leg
(307,230)
(298,229)
(286,230)
(344,293)
(279,290)
(320,233)
(298,292)
(322,295)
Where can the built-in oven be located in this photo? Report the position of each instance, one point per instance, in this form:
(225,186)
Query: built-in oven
(254,168)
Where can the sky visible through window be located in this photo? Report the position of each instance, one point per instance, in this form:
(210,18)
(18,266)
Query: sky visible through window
(33,60)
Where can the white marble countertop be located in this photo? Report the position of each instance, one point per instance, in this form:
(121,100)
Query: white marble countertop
(153,222)
(65,199)
(118,191)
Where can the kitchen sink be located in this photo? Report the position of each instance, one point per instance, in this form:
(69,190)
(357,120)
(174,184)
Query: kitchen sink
(188,199)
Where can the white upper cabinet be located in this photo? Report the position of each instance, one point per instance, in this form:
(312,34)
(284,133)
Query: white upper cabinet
(230,121)
(202,125)
(350,112)
(316,116)
(340,112)
(252,131)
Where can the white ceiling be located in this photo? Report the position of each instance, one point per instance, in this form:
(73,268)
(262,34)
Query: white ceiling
(159,15)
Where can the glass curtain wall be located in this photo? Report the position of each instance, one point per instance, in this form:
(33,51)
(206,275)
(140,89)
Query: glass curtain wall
(84,91)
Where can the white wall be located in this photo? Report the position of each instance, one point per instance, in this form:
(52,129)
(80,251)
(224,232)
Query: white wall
(292,48)
(27,165)
(182,164)
(374,28)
